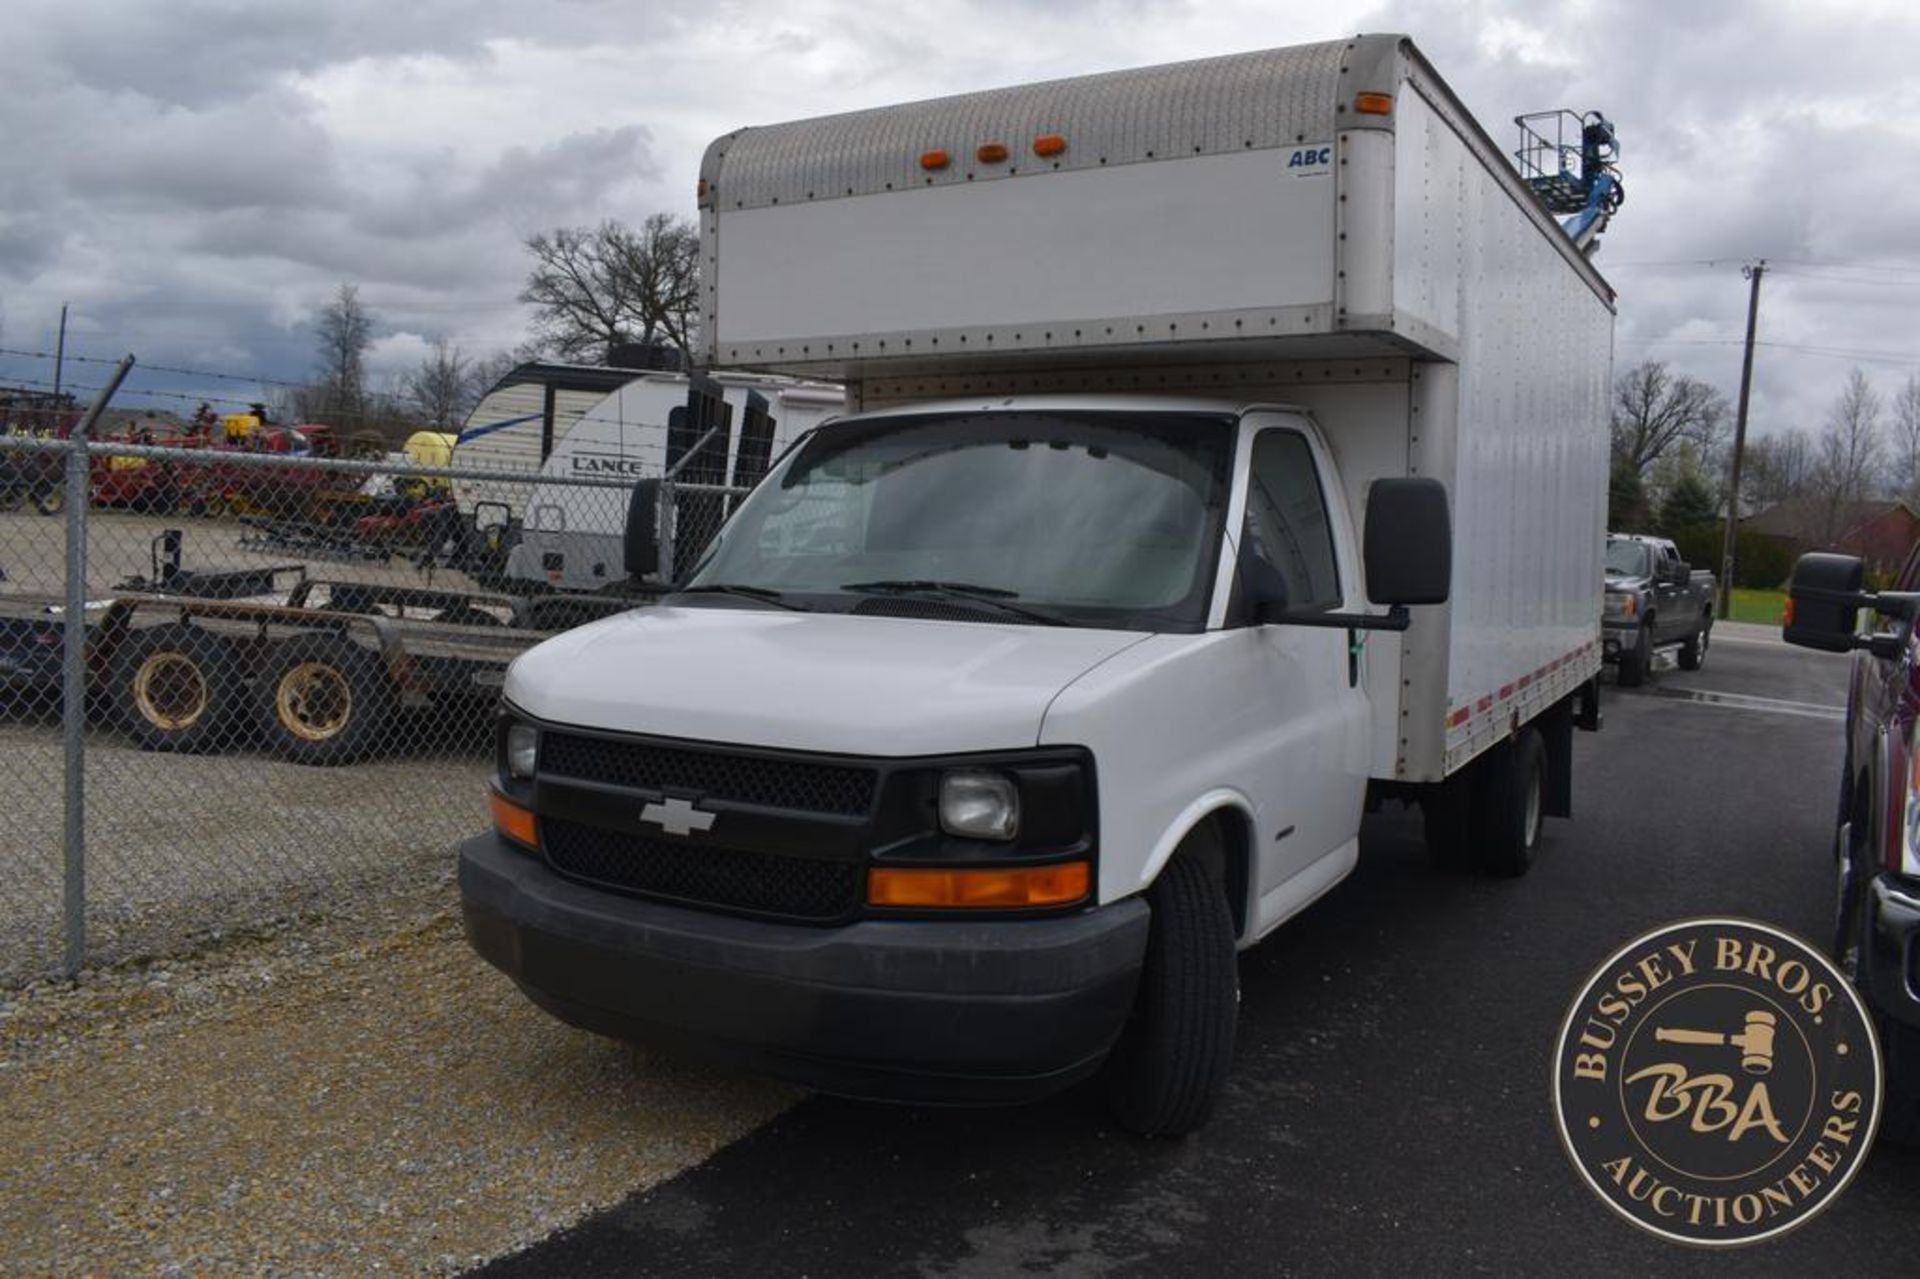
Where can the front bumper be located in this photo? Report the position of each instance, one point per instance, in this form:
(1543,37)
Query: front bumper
(1889,958)
(905,1010)
(1617,637)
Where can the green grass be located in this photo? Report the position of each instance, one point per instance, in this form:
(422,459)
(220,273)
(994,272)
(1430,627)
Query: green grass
(1758,606)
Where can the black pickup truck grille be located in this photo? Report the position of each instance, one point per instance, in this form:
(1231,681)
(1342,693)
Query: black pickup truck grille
(701,874)
(798,785)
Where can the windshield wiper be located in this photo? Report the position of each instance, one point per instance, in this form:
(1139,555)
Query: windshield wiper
(992,596)
(761,593)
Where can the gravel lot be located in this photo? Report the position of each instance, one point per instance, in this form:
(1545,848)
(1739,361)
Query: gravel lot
(360,1095)
(181,848)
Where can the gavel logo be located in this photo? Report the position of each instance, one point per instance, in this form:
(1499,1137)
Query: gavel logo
(1755,1042)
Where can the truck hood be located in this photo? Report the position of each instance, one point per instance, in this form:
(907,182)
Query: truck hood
(1625,582)
(809,681)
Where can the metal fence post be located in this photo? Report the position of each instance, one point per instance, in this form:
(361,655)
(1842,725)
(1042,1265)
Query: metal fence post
(73,708)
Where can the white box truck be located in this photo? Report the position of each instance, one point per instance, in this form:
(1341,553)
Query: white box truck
(1230,453)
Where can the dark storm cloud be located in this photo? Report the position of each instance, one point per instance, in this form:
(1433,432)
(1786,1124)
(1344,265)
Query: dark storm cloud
(197,177)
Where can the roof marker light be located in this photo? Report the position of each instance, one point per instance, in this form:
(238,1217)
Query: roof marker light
(935,159)
(1374,104)
(1049,144)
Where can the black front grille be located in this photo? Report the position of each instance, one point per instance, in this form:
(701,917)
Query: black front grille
(702,874)
(799,785)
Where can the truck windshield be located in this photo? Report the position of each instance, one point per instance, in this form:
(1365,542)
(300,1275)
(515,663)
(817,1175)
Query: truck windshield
(1627,559)
(1101,519)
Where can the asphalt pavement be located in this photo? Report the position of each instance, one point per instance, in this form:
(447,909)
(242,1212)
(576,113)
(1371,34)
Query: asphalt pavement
(1389,1108)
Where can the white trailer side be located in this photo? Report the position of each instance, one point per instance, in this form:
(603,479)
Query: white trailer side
(574,536)
(516,426)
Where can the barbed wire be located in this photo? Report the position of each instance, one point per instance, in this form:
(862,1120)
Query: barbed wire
(151,368)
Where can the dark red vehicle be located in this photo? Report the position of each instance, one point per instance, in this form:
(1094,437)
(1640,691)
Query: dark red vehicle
(1877,832)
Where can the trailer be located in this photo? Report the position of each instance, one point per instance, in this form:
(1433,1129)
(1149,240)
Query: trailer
(1229,455)
(572,537)
(515,428)
(313,670)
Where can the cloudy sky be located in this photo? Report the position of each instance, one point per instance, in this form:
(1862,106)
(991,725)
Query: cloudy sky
(196,177)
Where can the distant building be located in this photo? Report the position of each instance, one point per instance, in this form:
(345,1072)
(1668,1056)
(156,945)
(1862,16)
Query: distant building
(1879,532)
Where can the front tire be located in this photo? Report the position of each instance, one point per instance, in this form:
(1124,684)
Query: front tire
(1166,1073)
(176,688)
(1633,666)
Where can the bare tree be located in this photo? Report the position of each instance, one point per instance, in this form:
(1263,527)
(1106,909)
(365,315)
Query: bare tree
(1778,467)
(345,331)
(1906,439)
(1851,451)
(442,389)
(1654,408)
(600,287)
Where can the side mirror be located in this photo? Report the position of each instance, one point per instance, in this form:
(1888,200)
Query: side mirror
(643,531)
(1824,602)
(1679,574)
(1408,542)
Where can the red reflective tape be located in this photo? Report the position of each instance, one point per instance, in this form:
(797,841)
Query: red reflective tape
(1507,691)
(1484,704)
(1459,717)
(1525,680)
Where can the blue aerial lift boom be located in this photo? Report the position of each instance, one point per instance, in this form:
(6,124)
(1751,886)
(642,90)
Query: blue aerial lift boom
(1569,161)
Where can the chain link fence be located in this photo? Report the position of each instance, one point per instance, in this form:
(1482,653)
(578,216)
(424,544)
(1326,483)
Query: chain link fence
(288,667)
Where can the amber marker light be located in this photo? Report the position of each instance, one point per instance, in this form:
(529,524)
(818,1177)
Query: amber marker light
(1786,612)
(990,153)
(935,159)
(1374,104)
(513,821)
(1049,144)
(1000,889)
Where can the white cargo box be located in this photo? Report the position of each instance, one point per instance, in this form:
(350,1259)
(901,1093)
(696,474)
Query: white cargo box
(1327,200)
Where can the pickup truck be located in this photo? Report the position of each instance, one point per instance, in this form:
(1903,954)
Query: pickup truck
(1876,845)
(1655,599)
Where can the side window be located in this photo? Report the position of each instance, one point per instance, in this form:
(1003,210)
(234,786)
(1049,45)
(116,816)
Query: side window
(1287,519)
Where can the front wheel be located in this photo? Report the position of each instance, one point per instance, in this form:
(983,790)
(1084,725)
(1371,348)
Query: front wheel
(1166,1073)
(177,688)
(1633,665)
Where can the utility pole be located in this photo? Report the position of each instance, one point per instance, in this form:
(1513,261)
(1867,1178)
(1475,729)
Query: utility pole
(60,351)
(1753,273)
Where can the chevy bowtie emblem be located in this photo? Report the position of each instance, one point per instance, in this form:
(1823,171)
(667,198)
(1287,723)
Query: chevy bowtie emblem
(678,817)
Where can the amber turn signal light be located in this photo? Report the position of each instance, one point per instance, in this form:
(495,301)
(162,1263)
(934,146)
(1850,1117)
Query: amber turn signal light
(990,153)
(936,159)
(999,889)
(1048,144)
(1374,104)
(512,821)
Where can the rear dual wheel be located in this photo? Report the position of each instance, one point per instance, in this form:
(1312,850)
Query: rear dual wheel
(1491,817)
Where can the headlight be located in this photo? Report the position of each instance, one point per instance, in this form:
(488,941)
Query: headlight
(979,805)
(523,744)
(1621,605)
